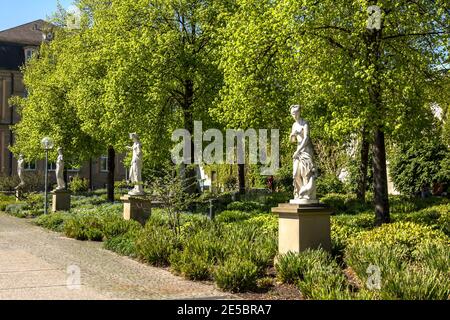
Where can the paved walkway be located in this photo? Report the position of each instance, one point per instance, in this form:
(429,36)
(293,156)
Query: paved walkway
(36,263)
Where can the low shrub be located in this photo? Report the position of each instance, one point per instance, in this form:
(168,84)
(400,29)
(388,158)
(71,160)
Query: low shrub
(415,284)
(246,206)
(229,216)
(124,244)
(54,221)
(346,203)
(78,185)
(84,227)
(267,222)
(192,266)
(155,244)
(35,201)
(316,274)
(16,209)
(407,256)
(236,274)
(329,184)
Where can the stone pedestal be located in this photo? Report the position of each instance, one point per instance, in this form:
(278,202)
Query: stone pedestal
(60,200)
(303,226)
(136,208)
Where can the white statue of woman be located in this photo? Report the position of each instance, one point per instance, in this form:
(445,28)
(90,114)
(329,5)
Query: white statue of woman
(61,185)
(20,170)
(136,166)
(303,160)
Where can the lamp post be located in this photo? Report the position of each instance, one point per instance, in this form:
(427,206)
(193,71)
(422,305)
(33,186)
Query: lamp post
(47,144)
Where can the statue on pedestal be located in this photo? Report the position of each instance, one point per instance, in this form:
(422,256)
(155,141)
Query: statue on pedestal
(304,171)
(136,166)
(61,185)
(20,170)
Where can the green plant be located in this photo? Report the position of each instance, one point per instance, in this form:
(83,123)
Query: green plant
(155,244)
(416,165)
(192,266)
(329,183)
(228,216)
(16,209)
(78,185)
(236,274)
(84,227)
(124,244)
(246,206)
(34,201)
(54,221)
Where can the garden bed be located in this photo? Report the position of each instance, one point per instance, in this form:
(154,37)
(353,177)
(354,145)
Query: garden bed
(407,259)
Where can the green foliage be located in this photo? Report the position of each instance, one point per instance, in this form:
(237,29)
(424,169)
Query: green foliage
(35,201)
(236,274)
(345,203)
(54,221)
(124,244)
(419,164)
(246,206)
(84,227)
(228,216)
(155,244)
(191,266)
(329,184)
(16,209)
(5,201)
(78,185)
(407,256)
(315,272)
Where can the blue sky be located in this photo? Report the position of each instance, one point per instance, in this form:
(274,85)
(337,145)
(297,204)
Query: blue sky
(17,12)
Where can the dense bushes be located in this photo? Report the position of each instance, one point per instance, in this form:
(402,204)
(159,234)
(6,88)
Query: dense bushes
(78,185)
(237,250)
(329,184)
(403,253)
(315,272)
(415,166)
(236,274)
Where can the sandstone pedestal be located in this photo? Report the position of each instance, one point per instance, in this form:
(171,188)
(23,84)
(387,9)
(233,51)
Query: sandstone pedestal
(60,200)
(303,226)
(136,208)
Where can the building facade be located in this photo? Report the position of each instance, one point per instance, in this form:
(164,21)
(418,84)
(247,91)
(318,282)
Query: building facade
(16,46)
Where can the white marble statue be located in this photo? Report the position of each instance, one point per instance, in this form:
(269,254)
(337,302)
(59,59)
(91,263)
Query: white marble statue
(20,170)
(304,171)
(61,185)
(136,166)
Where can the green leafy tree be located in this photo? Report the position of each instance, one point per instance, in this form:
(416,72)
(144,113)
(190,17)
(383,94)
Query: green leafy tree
(349,78)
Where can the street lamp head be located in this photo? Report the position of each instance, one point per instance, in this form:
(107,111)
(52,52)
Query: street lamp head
(47,143)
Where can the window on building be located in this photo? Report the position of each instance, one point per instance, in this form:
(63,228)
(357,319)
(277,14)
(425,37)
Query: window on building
(51,166)
(104,164)
(29,53)
(30,166)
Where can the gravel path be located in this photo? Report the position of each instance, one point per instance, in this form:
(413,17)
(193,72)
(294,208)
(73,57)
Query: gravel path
(35,264)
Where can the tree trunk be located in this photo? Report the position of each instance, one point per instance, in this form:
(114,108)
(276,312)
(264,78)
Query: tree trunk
(111,168)
(363,166)
(191,183)
(380,179)
(241,178)
(379,150)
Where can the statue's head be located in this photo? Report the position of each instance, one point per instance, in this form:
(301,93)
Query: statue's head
(20,156)
(60,149)
(295,111)
(134,137)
